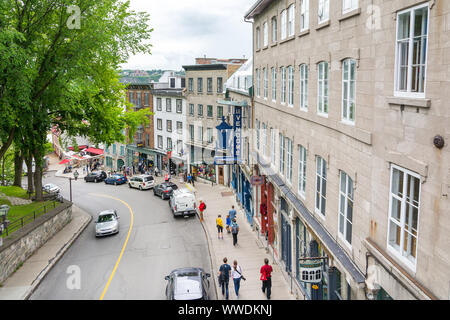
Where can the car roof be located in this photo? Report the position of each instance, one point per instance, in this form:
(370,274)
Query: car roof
(184,270)
(105,212)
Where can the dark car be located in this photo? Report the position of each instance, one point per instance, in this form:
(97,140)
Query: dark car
(187,284)
(165,189)
(116,179)
(97,176)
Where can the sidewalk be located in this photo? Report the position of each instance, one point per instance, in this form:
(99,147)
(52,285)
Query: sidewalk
(249,252)
(21,284)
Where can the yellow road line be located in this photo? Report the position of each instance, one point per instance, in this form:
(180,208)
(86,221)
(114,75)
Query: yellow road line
(188,186)
(124,246)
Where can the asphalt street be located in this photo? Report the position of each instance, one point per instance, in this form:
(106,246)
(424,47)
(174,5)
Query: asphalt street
(156,243)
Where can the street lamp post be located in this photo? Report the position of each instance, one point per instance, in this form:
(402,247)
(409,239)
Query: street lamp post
(70,186)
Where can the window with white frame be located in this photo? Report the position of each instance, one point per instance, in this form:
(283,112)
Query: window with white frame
(349,5)
(304,87)
(191,109)
(258,38)
(160,142)
(191,131)
(274,84)
(258,128)
(302,171)
(404,206)
(168,105)
(273,146)
(169,144)
(412,46)
(265,34)
(322,87)
(321,185)
(200,110)
(324,11)
(179,127)
(304,15)
(283,84)
(258,83)
(348,90)
(264,139)
(290,86)
(209,135)
(200,133)
(159,124)
(159,104)
(169,125)
(274,30)
(282,155)
(179,106)
(291,20)
(266,83)
(289,159)
(345,207)
(283,24)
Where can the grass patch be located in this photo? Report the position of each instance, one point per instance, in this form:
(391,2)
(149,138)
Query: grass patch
(14,191)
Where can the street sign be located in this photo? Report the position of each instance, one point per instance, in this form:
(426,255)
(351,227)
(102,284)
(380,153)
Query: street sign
(257,180)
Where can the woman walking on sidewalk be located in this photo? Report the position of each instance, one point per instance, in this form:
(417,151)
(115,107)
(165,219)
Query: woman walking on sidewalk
(236,275)
(266,277)
(219,223)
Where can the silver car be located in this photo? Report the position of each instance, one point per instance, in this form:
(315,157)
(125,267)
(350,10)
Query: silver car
(107,223)
(51,188)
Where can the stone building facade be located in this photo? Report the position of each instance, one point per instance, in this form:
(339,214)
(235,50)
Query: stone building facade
(351,103)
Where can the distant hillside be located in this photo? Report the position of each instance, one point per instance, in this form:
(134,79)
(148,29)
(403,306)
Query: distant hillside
(143,76)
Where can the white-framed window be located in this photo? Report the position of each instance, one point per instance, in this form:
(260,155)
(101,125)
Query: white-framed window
(273,146)
(282,155)
(258,128)
(289,159)
(179,127)
(283,84)
(304,87)
(345,207)
(411,52)
(169,144)
(209,135)
(159,124)
(291,20)
(349,5)
(321,185)
(264,139)
(283,24)
(274,30)
(200,133)
(191,131)
(160,142)
(258,83)
(404,208)
(290,86)
(302,171)
(169,125)
(322,87)
(348,90)
(304,15)
(324,11)
(266,83)
(258,38)
(274,84)
(265,34)
(191,109)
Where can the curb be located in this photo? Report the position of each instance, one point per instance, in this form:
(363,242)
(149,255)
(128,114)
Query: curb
(53,261)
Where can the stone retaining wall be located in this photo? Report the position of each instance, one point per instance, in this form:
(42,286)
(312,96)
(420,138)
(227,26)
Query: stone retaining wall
(18,247)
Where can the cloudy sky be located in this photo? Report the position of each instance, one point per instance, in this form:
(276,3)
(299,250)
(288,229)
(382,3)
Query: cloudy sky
(186,29)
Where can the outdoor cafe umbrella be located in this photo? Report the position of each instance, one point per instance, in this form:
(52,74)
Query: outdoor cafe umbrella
(64,161)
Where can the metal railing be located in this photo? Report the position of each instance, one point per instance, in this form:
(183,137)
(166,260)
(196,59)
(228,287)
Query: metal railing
(18,224)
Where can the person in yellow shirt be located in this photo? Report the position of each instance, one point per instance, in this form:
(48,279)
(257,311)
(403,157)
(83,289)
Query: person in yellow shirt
(219,223)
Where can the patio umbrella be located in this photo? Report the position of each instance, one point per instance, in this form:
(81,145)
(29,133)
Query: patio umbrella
(64,161)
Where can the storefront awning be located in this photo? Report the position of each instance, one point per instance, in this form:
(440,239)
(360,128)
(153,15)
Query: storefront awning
(233,103)
(94,151)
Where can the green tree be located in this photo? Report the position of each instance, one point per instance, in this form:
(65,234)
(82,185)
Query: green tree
(60,75)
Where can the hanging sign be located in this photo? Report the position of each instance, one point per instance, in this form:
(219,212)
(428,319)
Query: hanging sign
(311,272)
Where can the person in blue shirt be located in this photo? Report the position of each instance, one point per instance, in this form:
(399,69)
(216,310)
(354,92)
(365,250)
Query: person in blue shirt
(224,277)
(228,223)
(232,213)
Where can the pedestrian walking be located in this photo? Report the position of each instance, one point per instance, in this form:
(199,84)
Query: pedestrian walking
(156,171)
(232,213)
(224,277)
(228,222)
(202,208)
(234,231)
(236,275)
(219,223)
(266,277)
(75,175)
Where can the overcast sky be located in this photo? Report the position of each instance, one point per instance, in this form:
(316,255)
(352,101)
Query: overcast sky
(188,29)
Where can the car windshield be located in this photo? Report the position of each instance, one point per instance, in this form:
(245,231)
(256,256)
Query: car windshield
(106,218)
(173,186)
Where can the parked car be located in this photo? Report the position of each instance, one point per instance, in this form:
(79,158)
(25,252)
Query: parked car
(97,176)
(142,182)
(107,223)
(165,189)
(116,179)
(188,284)
(51,188)
(182,203)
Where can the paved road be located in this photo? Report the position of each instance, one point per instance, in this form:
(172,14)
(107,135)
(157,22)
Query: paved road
(158,243)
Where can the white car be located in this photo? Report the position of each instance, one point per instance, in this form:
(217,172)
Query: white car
(182,203)
(51,188)
(107,223)
(142,182)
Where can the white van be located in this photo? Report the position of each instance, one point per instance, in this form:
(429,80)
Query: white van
(142,182)
(182,203)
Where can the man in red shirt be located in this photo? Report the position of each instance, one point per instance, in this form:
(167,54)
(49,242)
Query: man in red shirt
(266,277)
(202,208)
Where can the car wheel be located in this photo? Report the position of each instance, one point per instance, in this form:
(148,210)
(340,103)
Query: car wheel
(140,188)
(129,185)
(95,180)
(115,183)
